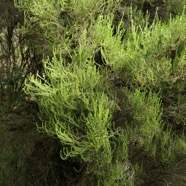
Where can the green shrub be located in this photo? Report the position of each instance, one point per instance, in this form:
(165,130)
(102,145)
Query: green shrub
(107,87)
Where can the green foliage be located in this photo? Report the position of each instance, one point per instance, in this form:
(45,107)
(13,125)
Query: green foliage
(78,112)
(148,125)
(112,84)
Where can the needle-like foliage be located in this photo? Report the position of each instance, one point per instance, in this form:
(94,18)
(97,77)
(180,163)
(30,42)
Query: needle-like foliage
(110,88)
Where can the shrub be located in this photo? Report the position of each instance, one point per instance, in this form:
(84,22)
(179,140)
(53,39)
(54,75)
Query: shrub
(107,88)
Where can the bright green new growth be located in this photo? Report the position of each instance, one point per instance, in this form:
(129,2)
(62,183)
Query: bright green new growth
(78,98)
(78,112)
(144,55)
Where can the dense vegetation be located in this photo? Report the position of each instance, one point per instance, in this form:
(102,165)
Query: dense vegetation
(93,92)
